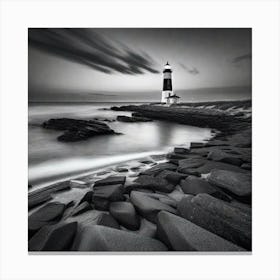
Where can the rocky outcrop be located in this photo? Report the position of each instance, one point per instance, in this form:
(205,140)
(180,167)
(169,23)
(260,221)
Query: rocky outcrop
(133,119)
(234,182)
(218,217)
(182,235)
(148,206)
(100,238)
(111,180)
(158,168)
(77,130)
(125,214)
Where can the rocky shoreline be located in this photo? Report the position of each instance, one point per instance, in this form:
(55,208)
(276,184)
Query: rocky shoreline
(191,199)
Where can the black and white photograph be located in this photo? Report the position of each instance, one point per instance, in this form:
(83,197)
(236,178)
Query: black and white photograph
(140,140)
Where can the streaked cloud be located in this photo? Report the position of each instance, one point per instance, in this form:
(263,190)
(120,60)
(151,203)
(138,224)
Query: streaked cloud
(190,70)
(243,57)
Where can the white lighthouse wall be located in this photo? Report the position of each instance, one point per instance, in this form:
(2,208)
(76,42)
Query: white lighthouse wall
(165,94)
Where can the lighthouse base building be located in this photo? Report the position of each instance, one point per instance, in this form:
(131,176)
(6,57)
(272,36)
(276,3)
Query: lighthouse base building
(167,95)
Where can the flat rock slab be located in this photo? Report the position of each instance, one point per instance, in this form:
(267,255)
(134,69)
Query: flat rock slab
(172,176)
(191,163)
(180,234)
(50,213)
(125,214)
(193,185)
(110,192)
(112,180)
(148,206)
(61,238)
(237,183)
(159,167)
(154,183)
(181,150)
(99,238)
(133,119)
(225,157)
(218,217)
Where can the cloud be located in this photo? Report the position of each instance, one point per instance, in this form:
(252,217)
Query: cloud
(244,57)
(190,70)
(86,47)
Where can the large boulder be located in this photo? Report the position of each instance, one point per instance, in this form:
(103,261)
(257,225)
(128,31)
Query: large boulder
(159,167)
(210,165)
(172,176)
(218,217)
(99,238)
(218,155)
(237,183)
(110,192)
(148,206)
(48,214)
(154,183)
(193,185)
(180,234)
(125,214)
(61,238)
(111,180)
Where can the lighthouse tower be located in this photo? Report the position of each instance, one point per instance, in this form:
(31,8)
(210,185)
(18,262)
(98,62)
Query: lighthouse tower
(167,84)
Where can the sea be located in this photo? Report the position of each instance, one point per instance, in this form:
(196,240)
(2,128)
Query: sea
(51,161)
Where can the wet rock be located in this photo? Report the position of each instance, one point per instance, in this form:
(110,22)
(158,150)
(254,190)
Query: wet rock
(86,198)
(154,183)
(107,220)
(172,176)
(99,238)
(133,119)
(39,196)
(182,235)
(110,192)
(197,145)
(158,168)
(100,203)
(177,194)
(111,180)
(48,214)
(77,130)
(247,166)
(180,150)
(61,238)
(190,163)
(78,184)
(237,183)
(224,157)
(125,214)
(193,185)
(174,156)
(83,207)
(147,228)
(218,217)
(147,206)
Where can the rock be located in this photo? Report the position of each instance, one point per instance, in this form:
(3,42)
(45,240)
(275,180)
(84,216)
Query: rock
(125,214)
(61,238)
(191,163)
(182,235)
(180,150)
(193,185)
(99,238)
(41,195)
(197,145)
(110,192)
(77,130)
(78,184)
(107,220)
(147,228)
(154,183)
(172,176)
(247,166)
(111,180)
(121,169)
(83,207)
(177,194)
(174,156)
(218,217)
(147,206)
(224,157)
(48,214)
(133,119)
(237,183)
(158,168)
(87,197)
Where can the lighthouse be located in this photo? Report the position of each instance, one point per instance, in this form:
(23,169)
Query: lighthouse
(167,96)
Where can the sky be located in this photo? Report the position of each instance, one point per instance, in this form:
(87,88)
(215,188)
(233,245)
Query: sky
(120,64)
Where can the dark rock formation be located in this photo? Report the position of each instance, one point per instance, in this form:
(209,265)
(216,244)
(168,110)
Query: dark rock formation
(133,119)
(148,206)
(182,235)
(100,238)
(172,177)
(111,180)
(110,192)
(125,214)
(218,217)
(158,168)
(77,130)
